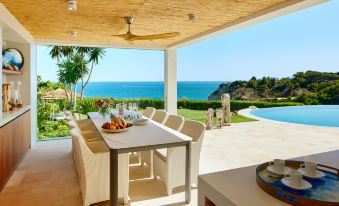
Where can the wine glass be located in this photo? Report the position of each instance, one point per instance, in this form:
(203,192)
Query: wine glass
(135,105)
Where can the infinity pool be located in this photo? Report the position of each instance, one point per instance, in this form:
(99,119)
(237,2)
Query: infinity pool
(321,115)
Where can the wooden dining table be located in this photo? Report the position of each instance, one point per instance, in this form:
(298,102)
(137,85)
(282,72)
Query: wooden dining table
(141,138)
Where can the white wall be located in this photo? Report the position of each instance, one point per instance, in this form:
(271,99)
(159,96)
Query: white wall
(28,80)
(26,69)
(33,93)
(1,70)
(16,36)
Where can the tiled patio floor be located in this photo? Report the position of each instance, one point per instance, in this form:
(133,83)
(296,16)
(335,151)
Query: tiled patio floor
(47,177)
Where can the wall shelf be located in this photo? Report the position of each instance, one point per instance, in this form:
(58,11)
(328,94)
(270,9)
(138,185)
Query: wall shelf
(11,72)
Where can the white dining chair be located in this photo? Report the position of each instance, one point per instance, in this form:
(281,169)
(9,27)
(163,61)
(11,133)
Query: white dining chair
(169,164)
(88,129)
(148,112)
(160,116)
(82,125)
(94,172)
(174,122)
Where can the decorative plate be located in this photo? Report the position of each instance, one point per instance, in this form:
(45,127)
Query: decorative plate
(140,122)
(304,184)
(271,169)
(12,57)
(116,130)
(319,174)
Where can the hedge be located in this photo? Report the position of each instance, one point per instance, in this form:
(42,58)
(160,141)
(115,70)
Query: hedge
(87,104)
(205,104)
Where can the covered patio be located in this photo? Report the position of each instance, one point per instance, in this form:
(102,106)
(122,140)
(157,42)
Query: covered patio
(46,174)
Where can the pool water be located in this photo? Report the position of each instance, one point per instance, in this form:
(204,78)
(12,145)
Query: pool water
(321,115)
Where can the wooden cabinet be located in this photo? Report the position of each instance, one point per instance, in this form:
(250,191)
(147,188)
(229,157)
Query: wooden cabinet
(14,142)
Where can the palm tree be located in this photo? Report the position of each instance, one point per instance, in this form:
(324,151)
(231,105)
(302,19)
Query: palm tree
(59,53)
(81,57)
(69,74)
(94,54)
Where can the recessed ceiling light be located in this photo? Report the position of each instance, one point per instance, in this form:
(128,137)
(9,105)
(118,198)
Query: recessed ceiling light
(191,17)
(72,5)
(74,34)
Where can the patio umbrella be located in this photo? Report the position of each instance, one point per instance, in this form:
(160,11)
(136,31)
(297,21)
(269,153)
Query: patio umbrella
(57,94)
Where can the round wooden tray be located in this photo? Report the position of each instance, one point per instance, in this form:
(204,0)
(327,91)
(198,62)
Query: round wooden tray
(324,191)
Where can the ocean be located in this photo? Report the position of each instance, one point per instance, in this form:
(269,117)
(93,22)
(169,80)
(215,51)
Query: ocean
(190,90)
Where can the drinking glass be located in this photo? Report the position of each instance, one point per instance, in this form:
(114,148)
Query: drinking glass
(135,106)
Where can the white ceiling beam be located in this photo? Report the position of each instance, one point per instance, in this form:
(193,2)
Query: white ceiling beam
(270,13)
(8,21)
(47,42)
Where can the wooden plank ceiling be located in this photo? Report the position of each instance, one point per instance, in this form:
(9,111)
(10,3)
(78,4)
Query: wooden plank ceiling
(95,20)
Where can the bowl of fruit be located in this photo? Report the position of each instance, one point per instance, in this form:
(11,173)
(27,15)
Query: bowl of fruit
(116,125)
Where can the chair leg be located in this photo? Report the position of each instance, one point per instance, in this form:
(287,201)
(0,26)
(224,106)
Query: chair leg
(169,190)
(85,202)
(151,173)
(139,157)
(125,200)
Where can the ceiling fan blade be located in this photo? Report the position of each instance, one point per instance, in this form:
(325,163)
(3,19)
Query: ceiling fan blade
(156,36)
(127,36)
(120,35)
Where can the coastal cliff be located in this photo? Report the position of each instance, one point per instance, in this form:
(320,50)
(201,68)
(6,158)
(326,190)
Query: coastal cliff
(309,87)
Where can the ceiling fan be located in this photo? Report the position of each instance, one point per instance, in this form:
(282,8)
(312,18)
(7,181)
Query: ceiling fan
(132,37)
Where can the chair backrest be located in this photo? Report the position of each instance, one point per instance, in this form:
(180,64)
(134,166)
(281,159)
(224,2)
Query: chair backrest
(69,116)
(148,112)
(76,136)
(193,129)
(160,116)
(174,122)
(72,124)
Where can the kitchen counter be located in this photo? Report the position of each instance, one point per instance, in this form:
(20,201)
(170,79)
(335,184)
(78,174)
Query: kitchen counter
(6,117)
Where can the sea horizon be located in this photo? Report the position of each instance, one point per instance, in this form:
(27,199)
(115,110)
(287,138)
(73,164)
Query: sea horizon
(195,90)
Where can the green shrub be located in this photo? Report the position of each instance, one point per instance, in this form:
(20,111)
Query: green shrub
(44,112)
(87,105)
(52,129)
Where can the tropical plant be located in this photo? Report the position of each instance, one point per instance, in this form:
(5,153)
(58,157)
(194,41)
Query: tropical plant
(69,74)
(82,57)
(52,129)
(92,56)
(87,105)
(44,112)
(60,53)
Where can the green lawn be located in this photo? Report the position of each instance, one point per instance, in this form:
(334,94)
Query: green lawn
(199,115)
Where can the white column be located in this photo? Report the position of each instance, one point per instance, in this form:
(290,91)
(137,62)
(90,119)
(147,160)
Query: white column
(1,71)
(34,95)
(170,81)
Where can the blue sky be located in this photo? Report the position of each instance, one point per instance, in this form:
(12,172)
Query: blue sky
(305,40)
